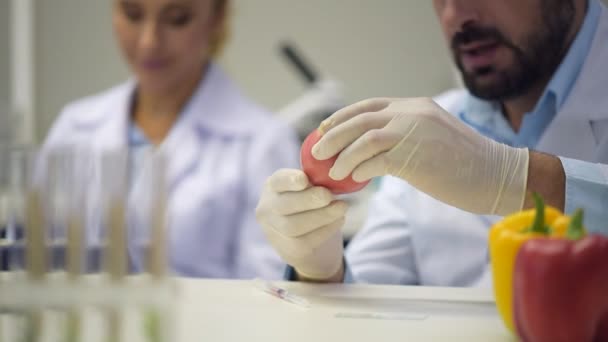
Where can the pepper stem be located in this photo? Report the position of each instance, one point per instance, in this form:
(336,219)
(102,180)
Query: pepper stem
(538,226)
(575,228)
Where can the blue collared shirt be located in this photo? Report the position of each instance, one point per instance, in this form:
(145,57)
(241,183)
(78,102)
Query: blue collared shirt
(487,118)
(139,145)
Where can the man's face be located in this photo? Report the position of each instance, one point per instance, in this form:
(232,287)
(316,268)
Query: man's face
(504,48)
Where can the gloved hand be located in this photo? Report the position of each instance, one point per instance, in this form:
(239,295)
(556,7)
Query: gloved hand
(303,223)
(418,141)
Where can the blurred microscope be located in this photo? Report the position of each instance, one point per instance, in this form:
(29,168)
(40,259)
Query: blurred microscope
(323,97)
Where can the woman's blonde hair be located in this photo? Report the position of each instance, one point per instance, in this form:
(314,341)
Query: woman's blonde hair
(219,39)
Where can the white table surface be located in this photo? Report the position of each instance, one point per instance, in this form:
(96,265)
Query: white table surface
(219,310)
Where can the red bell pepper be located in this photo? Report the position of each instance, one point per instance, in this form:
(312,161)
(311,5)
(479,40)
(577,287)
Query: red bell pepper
(561,288)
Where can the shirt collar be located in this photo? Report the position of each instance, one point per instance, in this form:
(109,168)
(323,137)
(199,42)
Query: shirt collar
(486,116)
(136,136)
(562,81)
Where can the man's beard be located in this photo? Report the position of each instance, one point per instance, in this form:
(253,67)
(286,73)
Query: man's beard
(535,61)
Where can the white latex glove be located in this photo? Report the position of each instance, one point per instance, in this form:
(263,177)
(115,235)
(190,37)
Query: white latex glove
(302,223)
(418,141)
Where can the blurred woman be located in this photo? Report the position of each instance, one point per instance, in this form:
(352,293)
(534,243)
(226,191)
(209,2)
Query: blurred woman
(220,145)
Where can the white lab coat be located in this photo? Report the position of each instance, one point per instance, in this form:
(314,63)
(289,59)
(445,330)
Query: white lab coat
(220,152)
(411,238)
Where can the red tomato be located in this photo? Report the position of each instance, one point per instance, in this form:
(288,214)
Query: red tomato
(318,170)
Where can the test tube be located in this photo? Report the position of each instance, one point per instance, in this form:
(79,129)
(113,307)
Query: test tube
(16,172)
(67,185)
(16,165)
(151,191)
(114,196)
(35,259)
(149,219)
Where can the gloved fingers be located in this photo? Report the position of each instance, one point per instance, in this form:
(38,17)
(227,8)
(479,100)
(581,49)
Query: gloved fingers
(317,238)
(348,112)
(300,224)
(370,144)
(373,167)
(293,202)
(285,180)
(347,132)
(298,251)
(415,106)
(282,182)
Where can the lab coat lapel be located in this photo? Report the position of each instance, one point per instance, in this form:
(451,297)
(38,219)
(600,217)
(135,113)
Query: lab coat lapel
(181,149)
(183,145)
(215,109)
(586,104)
(111,130)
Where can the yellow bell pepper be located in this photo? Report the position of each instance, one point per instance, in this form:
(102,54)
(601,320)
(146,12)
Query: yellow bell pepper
(559,227)
(506,237)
